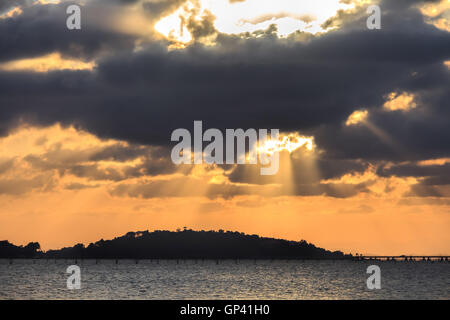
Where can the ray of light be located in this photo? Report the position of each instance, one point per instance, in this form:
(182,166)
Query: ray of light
(382,135)
(360,117)
(291,146)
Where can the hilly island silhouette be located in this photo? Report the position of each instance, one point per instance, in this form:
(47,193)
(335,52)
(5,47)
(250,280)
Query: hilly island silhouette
(182,244)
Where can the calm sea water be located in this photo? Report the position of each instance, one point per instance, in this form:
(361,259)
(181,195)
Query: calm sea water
(25,279)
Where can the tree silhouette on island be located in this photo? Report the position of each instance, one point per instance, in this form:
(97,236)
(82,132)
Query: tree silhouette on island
(182,244)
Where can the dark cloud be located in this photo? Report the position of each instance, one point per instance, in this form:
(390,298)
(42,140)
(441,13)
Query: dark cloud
(310,86)
(433,174)
(80,186)
(118,152)
(6,5)
(183,187)
(336,190)
(84,163)
(158,8)
(434,180)
(6,165)
(41,29)
(21,186)
(419,190)
(93,172)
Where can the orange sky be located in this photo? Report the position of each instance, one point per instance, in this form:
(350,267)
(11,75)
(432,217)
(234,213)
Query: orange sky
(38,203)
(61,186)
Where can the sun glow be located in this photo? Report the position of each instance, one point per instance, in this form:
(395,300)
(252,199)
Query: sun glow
(434,9)
(403,102)
(16,11)
(50,62)
(173,28)
(238,17)
(287,142)
(357,117)
(437,13)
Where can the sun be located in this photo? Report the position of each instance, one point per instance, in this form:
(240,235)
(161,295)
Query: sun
(173,27)
(240,17)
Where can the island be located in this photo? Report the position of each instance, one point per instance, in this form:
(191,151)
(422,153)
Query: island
(180,244)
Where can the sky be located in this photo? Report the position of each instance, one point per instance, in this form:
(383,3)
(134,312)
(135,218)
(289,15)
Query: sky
(86,118)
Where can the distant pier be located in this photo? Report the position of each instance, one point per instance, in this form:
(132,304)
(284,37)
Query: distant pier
(402,258)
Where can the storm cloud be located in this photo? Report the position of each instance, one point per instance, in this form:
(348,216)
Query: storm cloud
(312,86)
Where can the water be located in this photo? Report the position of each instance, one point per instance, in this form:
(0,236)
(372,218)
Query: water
(190,279)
